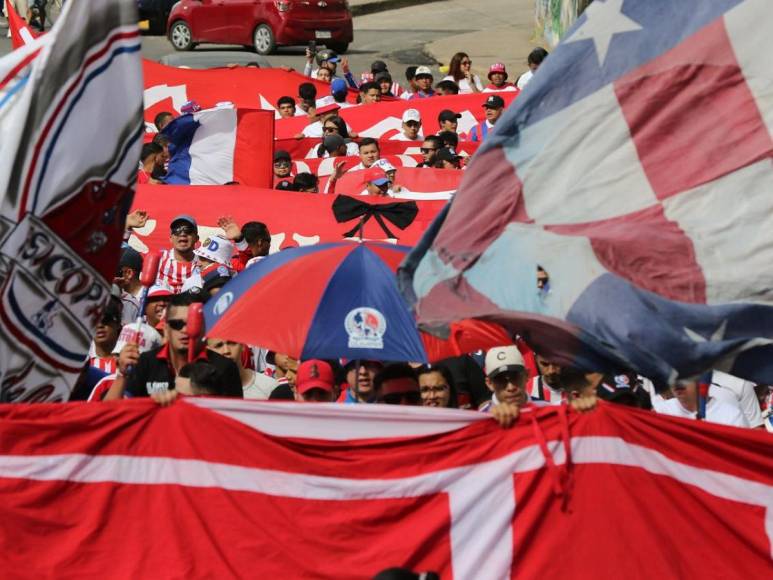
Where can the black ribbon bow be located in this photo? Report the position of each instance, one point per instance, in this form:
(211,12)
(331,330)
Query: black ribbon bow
(400,213)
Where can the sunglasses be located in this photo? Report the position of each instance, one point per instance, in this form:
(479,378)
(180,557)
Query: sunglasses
(282,163)
(466,62)
(428,149)
(183,231)
(512,377)
(176,323)
(330,129)
(109,320)
(412,397)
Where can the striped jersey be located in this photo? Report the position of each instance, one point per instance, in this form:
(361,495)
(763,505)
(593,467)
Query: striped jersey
(174,272)
(541,391)
(106,364)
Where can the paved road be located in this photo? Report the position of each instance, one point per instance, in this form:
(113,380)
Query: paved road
(395,36)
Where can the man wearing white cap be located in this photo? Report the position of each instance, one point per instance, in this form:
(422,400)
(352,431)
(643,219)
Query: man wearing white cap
(214,254)
(505,377)
(411,127)
(423,79)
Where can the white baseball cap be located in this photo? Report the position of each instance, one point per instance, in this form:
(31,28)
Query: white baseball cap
(411,115)
(501,359)
(422,70)
(384,164)
(216,249)
(148,338)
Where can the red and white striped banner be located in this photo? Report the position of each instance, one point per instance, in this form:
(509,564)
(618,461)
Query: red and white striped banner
(220,488)
(323,167)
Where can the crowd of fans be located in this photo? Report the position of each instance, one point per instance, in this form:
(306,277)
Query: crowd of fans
(142,350)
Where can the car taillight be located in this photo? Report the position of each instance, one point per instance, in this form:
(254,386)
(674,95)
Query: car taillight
(282,5)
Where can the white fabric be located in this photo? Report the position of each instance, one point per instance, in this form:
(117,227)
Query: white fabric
(736,391)
(716,412)
(213,147)
(524,79)
(313,130)
(260,387)
(464,84)
(402,137)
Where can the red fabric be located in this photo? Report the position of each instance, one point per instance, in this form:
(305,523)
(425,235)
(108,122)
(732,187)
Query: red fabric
(418,180)
(168,88)
(671,497)
(18,27)
(292,218)
(465,336)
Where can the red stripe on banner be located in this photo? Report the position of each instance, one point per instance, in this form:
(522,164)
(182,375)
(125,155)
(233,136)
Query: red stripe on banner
(377,119)
(292,218)
(253,154)
(648,249)
(309,275)
(18,68)
(691,113)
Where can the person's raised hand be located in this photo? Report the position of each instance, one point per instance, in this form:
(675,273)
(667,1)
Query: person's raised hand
(136,219)
(338,170)
(230,227)
(128,357)
(345,64)
(505,414)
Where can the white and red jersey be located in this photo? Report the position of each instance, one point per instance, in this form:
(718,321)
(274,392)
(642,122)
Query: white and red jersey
(174,272)
(101,388)
(541,391)
(106,364)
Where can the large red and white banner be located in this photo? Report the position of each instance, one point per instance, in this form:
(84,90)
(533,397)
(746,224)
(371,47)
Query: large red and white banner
(325,166)
(217,488)
(167,88)
(385,118)
(421,183)
(294,219)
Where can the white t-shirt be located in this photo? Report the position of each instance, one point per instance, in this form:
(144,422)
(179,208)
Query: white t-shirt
(504,90)
(464,84)
(738,392)
(260,387)
(402,137)
(524,79)
(716,412)
(313,130)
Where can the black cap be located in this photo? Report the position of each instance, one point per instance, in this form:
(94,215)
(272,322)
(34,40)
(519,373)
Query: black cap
(333,143)
(131,258)
(384,75)
(448,115)
(447,154)
(280,155)
(494,102)
(378,66)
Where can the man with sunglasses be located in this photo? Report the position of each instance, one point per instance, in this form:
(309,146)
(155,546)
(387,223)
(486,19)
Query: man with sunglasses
(429,149)
(105,336)
(505,377)
(282,167)
(411,127)
(396,384)
(127,278)
(177,265)
(155,371)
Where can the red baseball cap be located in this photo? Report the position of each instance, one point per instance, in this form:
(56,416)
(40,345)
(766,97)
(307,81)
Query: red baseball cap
(314,374)
(374,175)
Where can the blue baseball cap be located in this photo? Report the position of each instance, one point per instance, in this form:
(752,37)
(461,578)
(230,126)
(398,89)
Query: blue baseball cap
(338,86)
(184,218)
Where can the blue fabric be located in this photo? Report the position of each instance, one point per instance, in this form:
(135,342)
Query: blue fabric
(665,23)
(363,280)
(180,132)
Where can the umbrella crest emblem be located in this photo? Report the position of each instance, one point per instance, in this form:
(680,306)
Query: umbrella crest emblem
(365,327)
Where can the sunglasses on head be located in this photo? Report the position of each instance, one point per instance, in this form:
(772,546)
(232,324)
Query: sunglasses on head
(183,230)
(397,398)
(176,323)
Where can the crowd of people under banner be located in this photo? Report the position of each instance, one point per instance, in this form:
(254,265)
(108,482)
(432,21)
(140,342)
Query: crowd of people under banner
(154,362)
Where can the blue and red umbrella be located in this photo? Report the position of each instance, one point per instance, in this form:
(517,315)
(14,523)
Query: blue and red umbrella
(324,301)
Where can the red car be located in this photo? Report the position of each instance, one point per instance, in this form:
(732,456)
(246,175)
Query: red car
(261,24)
